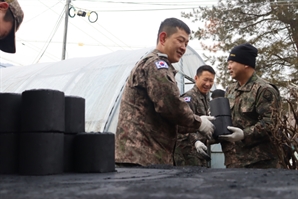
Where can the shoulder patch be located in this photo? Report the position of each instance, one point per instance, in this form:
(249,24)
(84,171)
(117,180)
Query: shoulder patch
(268,96)
(187,99)
(161,64)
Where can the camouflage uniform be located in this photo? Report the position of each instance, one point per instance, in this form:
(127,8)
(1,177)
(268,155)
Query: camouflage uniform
(252,108)
(185,151)
(150,111)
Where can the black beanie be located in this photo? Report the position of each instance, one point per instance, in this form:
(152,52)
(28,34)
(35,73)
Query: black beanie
(244,54)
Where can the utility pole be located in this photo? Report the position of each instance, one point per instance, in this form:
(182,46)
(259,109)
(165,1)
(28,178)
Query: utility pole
(65,29)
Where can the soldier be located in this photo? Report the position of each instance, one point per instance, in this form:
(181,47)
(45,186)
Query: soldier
(254,103)
(151,107)
(11,17)
(198,99)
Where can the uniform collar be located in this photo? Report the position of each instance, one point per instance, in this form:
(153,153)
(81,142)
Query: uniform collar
(155,51)
(249,84)
(202,96)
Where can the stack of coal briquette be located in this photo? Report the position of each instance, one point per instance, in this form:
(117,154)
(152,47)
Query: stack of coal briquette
(42,132)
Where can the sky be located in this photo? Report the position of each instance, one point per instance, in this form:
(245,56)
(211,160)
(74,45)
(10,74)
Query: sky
(121,25)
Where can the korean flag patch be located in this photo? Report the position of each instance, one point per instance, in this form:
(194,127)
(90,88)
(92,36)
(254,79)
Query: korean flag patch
(161,64)
(187,99)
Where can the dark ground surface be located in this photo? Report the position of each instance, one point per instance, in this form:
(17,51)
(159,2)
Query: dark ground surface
(156,182)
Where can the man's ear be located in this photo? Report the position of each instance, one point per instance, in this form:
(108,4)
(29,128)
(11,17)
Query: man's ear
(4,5)
(162,37)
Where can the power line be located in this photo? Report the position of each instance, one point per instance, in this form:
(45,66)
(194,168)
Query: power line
(35,48)
(87,44)
(108,36)
(113,35)
(43,12)
(105,35)
(193,3)
(51,36)
(153,9)
(90,36)
(172,7)
(151,2)
(189,3)
(55,29)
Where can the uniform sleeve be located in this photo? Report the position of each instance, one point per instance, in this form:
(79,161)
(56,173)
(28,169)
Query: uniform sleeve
(189,99)
(267,105)
(194,135)
(163,91)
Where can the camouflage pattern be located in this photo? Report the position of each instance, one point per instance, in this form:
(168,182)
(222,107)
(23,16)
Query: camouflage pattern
(252,106)
(150,110)
(185,151)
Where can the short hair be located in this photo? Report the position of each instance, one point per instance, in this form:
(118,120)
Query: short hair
(170,26)
(205,68)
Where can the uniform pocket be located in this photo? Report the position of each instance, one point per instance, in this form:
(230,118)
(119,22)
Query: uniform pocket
(248,109)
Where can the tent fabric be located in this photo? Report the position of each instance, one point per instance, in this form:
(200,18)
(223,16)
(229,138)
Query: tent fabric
(100,80)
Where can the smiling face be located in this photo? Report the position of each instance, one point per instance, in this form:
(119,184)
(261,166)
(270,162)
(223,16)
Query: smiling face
(204,81)
(174,45)
(236,70)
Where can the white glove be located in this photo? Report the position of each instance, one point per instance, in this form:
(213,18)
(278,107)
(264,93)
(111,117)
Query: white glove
(206,126)
(202,150)
(237,135)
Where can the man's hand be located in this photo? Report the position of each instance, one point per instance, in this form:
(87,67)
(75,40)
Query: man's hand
(202,150)
(237,135)
(206,126)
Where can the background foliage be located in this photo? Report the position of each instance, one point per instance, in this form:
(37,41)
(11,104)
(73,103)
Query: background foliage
(271,26)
